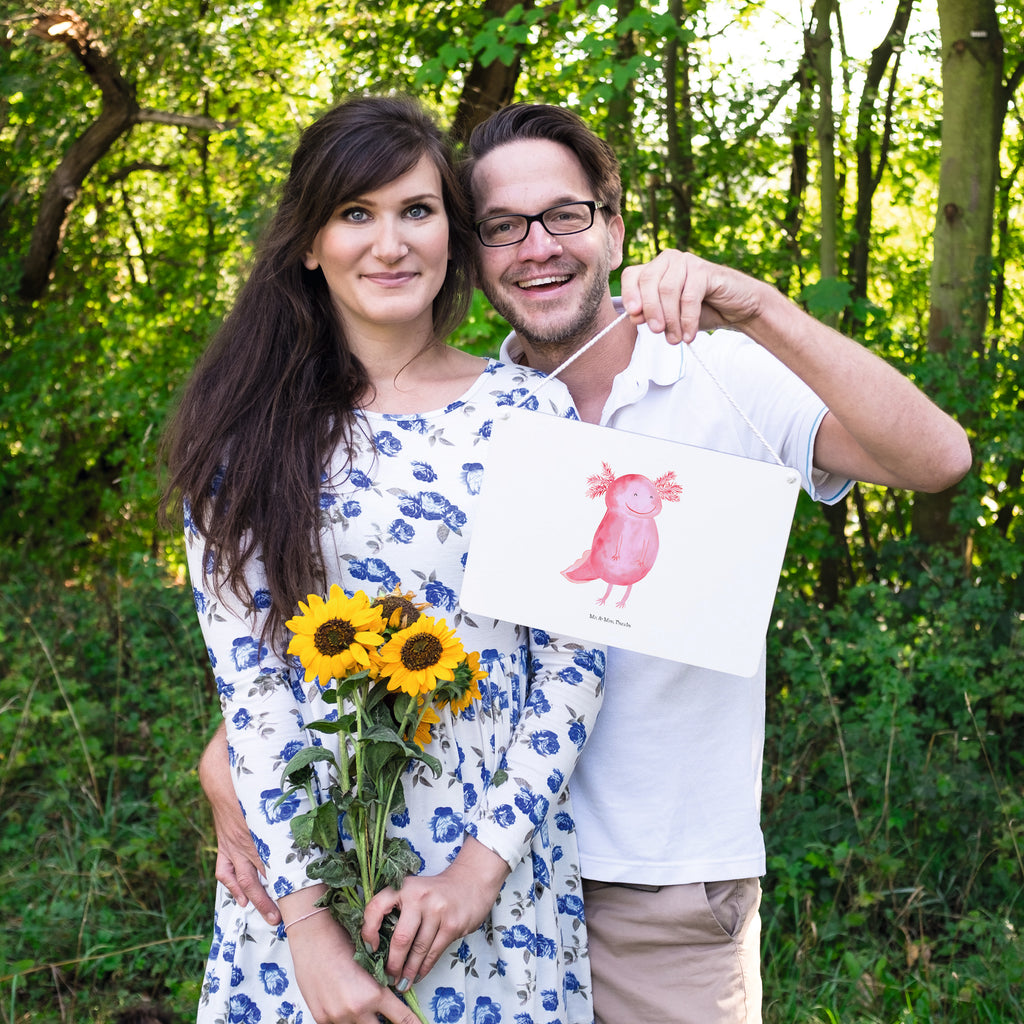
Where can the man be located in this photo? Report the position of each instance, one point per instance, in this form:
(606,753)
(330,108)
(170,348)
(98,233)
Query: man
(667,792)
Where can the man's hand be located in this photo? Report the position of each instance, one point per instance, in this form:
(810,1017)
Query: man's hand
(435,910)
(238,864)
(678,293)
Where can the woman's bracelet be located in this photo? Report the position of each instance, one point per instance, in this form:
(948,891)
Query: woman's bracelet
(312,913)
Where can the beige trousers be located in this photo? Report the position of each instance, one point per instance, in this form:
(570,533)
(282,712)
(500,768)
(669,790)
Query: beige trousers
(675,954)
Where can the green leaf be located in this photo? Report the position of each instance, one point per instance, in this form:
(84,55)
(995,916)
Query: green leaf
(303,826)
(827,298)
(325,826)
(339,869)
(299,769)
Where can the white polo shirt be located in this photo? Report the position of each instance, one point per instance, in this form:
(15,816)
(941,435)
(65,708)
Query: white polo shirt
(668,789)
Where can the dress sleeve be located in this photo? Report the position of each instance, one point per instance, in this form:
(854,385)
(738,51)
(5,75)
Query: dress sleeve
(564,696)
(263,706)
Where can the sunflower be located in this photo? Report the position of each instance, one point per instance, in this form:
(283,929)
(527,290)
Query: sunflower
(423,734)
(332,636)
(417,657)
(399,609)
(472,692)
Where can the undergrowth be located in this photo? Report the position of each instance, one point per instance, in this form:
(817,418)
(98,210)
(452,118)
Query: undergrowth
(893,799)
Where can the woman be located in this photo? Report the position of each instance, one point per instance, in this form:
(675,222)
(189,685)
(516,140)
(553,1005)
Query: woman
(329,435)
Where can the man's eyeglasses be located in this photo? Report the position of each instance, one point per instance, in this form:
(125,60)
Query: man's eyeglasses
(564,219)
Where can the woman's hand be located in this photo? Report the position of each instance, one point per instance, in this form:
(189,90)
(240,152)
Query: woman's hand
(336,989)
(435,910)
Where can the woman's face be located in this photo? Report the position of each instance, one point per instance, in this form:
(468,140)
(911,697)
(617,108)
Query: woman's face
(385,254)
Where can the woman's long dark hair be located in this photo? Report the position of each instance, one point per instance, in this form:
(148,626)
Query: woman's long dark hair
(274,394)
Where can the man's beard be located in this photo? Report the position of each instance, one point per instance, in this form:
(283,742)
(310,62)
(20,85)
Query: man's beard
(569,335)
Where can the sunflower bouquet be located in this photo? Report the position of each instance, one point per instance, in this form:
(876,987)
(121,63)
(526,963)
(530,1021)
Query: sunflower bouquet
(390,669)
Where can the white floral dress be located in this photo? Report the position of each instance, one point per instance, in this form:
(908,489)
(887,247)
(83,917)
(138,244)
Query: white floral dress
(403,515)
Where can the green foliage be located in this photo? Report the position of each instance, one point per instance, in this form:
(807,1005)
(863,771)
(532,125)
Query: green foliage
(107,867)
(893,781)
(893,800)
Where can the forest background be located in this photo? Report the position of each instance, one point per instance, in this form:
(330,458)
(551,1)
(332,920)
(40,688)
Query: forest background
(866,158)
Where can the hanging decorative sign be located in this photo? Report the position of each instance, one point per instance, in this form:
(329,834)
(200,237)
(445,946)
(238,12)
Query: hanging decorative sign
(630,541)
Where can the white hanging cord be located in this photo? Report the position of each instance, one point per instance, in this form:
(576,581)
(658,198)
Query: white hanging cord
(692,351)
(732,401)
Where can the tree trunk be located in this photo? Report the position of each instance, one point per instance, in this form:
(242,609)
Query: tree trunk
(679,132)
(487,89)
(117,115)
(973,104)
(819,55)
(869,170)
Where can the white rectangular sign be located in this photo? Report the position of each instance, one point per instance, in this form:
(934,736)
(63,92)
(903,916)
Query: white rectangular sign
(630,541)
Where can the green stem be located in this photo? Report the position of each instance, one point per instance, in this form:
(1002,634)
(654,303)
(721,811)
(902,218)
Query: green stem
(360,834)
(414,1004)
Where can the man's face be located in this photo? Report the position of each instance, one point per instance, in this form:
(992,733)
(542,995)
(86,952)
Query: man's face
(552,289)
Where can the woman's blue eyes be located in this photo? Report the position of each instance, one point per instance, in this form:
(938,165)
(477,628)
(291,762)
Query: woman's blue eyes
(357,215)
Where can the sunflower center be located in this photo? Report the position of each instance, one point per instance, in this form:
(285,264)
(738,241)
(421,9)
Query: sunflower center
(421,651)
(391,603)
(334,636)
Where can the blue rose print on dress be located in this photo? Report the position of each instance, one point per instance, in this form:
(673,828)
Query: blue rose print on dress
(441,596)
(387,444)
(351,509)
(533,805)
(549,999)
(571,675)
(564,822)
(274,978)
(505,816)
(472,476)
(519,937)
(448,1006)
(327,501)
(246,652)
(414,424)
(555,781)
(241,718)
(274,811)
(199,598)
(242,1010)
(282,887)
(424,472)
(446,825)
(374,570)
(261,847)
(262,600)
(541,875)
(545,742)
(590,660)
(487,1011)
(290,749)
(578,734)
(539,702)
(401,531)
(572,905)
(237,977)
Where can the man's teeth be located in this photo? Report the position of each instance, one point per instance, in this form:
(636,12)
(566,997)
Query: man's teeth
(538,281)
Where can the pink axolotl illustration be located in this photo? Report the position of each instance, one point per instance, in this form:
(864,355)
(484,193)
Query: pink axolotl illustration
(625,544)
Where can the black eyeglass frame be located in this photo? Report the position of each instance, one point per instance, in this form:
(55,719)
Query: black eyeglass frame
(591,204)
